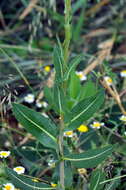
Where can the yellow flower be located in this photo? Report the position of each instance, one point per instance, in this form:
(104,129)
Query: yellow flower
(83,129)
(47,68)
(123,73)
(82,171)
(4,154)
(96,125)
(8,186)
(53,184)
(108,80)
(69,134)
(123,118)
(19,169)
(35,180)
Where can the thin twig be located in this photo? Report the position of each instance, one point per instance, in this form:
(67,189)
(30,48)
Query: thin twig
(103,54)
(96,8)
(28,9)
(114,94)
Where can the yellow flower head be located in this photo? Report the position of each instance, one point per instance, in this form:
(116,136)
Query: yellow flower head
(19,169)
(108,80)
(96,125)
(35,180)
(68,134)
(123,73)
(83,129)
(47,68)
(4,154)
(82,171)
(123,118)
(53,184)
(8,186)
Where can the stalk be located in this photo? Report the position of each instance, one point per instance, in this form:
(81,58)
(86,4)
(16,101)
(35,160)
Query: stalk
(66,45)
(67,26)
(61,150)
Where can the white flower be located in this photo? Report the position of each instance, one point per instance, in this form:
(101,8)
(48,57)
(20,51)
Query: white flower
(38,104)
(123,73)
(123,118)
(29,98)
(96,125)
(45,115)
(81,75)
(42,104)
(4,154)
(108,80)
(7,144)
(69,134)
(19,169)
(51,163)
(8,186)
(125,133)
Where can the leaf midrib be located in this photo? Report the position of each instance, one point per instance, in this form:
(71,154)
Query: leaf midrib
(73,65)
(60,64)
(83,159)
(29,184)
(84,110)
(97,183)
(52,137)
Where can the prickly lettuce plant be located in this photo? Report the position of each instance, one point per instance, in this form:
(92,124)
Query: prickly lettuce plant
(73,104)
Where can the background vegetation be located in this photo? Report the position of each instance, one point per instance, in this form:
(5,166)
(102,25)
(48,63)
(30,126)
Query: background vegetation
(28,34)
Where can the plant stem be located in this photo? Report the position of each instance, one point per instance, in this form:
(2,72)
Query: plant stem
(61,150)
(67,29)
(64,86)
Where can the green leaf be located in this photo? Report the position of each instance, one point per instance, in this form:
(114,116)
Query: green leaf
(59,98)
(48,94)
(74,86)
(72,65)
(68,174)
(25,183)
(78,4)
(96,177)
(58,63)
(115,183)
(79,25)
(89,89)
(84,110)
(42,128)
(91,158)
